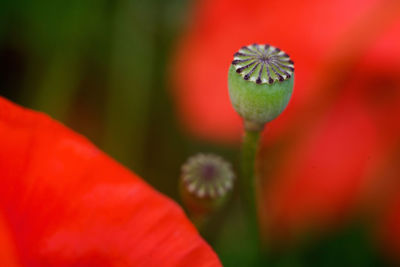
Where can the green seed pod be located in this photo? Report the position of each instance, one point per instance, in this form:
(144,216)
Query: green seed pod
(260,82)
(205,182)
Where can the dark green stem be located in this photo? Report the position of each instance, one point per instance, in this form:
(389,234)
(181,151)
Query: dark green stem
(249,182)
(200,221)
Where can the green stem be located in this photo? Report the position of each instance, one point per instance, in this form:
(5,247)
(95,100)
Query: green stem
(249,183)
(199,221)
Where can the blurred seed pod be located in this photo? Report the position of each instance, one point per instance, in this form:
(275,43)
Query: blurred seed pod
(205,183)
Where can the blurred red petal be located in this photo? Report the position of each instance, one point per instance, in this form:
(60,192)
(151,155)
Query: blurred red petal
(328,166)
(307,30)
(331,131)
(320,177)
(66,203)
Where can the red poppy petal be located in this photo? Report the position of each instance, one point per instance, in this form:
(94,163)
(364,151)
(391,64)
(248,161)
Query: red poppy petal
(7,248)
(321,177)
(66,203)
(307,30)
(327,171)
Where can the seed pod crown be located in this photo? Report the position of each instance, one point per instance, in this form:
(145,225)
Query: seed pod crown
(263,64)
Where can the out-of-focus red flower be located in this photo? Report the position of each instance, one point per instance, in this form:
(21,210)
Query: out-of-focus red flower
(329,167)
(343,118)
(65,203)
(308,30)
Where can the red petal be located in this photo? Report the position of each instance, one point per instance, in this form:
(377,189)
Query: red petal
(320,173)
(321,176)
(66,203)
(326,169)
(307,30)
(8,254)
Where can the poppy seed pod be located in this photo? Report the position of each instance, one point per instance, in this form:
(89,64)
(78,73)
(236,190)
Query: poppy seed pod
(260,82)
(206,180)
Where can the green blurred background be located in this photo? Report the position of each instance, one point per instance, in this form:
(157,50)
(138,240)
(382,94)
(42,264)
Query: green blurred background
(101,67)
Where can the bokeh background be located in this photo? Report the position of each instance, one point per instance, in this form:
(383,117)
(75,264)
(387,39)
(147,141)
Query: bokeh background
(145,80)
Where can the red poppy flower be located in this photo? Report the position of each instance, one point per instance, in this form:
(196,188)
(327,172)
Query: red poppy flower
(65,203)
(309,31)
(333,163)
(342,119)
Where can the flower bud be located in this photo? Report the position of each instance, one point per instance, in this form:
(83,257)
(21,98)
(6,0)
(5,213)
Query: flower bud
(260,82)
